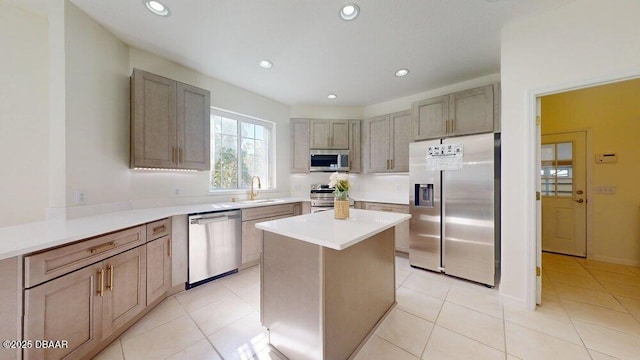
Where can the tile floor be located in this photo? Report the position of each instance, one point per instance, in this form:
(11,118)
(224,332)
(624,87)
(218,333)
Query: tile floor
(590,310)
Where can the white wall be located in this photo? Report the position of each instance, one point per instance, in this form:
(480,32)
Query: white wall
(584,42)
(98,66)
(152,188)
(24,104)
(97,111)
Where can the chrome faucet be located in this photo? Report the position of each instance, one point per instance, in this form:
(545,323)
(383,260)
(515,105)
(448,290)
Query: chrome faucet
(252,194)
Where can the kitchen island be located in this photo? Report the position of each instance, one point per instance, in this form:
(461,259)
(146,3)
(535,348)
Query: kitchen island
(326,283)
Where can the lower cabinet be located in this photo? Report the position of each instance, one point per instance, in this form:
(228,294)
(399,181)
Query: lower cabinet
(158,268)
(86,306)
(67,308)
(252,237)
(402,229)
(125,291)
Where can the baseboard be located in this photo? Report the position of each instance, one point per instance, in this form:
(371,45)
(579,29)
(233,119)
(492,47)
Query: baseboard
(515,302)
(615,260)
(175,290)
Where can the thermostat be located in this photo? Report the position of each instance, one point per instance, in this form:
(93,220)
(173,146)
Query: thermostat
(606,158)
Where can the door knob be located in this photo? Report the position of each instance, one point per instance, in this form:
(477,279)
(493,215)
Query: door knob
(579,192)
(579,201)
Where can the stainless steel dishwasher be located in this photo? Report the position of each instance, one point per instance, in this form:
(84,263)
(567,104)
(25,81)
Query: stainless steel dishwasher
(215,245)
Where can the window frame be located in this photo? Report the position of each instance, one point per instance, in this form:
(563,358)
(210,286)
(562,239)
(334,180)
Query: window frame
(271,148)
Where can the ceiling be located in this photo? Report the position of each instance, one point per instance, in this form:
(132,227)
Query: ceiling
(316,53)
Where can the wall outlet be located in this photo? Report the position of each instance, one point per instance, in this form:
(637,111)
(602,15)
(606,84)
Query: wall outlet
(607,190)
(81,197)
(176,191)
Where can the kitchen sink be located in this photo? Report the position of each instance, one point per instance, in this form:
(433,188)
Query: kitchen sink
(259,201)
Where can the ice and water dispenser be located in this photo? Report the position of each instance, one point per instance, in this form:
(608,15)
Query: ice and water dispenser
(424,195)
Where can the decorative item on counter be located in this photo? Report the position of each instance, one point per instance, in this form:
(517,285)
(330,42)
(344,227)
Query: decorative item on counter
(340,183)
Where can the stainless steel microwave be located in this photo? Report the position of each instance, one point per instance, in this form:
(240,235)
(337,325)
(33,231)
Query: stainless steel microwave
(329,160)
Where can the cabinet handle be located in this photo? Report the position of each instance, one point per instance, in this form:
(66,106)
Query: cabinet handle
(386,209)
(101,279)
(102,248)
(110,277)
(453,125)
(391,164)
(387,164)
(180,155)
(169,249)
(159,229)
(173,154)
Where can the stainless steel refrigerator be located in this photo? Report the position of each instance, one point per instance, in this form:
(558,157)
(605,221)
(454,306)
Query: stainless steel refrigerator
(454,203)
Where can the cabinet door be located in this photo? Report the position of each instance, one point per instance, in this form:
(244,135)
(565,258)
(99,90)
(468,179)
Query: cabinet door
(125,290)
(153,135)
(402,229)
(378,146)
(472,111)
(158,268)
(67,308)
(251,241)
(430,118)
(193,127)
(401,135)
(299,145)
(319,134)
(339,134)
(355,149)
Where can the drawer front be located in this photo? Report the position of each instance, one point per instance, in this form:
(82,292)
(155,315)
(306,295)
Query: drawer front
(158,229)
(404,209)
(267,211)
(49,264)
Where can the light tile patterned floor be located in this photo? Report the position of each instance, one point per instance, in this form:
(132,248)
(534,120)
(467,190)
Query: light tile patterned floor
(590,310)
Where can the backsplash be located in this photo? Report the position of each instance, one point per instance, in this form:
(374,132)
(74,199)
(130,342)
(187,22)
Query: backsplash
(382,187)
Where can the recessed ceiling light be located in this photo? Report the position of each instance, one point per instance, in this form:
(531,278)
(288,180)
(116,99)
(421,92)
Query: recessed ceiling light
(266,64)
(332,96)
(349,12)
(157,7)
(402,72)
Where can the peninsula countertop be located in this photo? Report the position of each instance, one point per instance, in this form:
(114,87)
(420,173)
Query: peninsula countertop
(323,229)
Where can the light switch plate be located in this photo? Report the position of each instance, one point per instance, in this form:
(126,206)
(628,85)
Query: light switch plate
(606,190)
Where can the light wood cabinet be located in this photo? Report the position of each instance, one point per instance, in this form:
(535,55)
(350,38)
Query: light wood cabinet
(467,112)
(329,134)
(170,123)
(401,230)
(387,143)
(86,306)
(299,145)
(158,268)
(67,308)
(125,293)
(252,237)
(355,146)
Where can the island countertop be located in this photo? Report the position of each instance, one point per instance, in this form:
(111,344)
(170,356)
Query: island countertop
(323,229)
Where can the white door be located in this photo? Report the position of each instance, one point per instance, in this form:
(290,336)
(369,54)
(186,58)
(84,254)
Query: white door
(564,198)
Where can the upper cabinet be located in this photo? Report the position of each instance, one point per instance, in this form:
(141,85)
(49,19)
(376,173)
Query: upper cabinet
(299,145)
(466,112)
(329,134)
(170,123)
(355,147)
(387,141)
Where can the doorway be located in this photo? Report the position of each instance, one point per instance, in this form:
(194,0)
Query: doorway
(607,117)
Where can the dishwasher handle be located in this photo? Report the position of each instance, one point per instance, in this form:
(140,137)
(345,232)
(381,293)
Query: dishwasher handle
(213,219)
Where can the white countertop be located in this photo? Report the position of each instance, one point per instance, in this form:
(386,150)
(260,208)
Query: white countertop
(27,238)
(323,229)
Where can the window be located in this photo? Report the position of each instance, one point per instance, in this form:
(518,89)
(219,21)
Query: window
(241,148)
(557,169)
